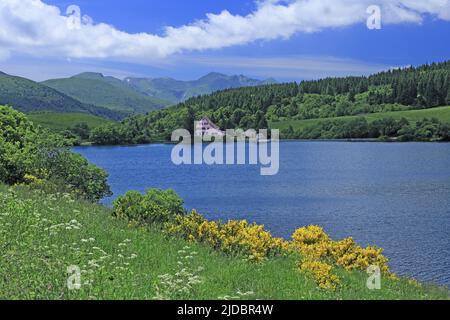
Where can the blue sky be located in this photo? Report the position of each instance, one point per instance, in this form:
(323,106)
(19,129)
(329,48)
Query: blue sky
(344,48)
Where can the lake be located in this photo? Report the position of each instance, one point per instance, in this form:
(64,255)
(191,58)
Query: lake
(394,195)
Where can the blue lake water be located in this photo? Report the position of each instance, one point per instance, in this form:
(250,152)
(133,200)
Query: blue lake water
(396,196)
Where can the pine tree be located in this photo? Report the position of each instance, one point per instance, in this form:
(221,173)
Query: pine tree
(447,99)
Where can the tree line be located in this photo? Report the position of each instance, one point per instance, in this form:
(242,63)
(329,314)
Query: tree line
(383,129)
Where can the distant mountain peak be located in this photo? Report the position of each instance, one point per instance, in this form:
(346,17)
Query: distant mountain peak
(89,75)
(177,90)
(214,74)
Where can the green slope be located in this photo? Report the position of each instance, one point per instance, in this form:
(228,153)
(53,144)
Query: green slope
(62,121)
(29,96)
(107,92)
(45,234)
(441,113)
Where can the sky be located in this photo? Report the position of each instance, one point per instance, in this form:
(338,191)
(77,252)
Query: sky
(289,40)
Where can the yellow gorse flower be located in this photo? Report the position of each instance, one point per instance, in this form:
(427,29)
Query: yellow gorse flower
(320,254)
(321,272)
(233,237)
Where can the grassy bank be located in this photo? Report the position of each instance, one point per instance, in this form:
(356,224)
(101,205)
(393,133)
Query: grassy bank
(42,235)
(441,113)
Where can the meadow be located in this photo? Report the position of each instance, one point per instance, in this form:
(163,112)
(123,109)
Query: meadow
(44,238)
(62,121)
(441,113)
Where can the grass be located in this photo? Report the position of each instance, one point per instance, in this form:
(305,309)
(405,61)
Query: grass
(62,121)
(42,235)
(441,113)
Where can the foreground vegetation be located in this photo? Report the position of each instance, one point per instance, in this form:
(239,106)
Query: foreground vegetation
(42,235)
(34,156)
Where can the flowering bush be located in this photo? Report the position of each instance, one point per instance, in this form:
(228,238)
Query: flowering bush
(320,252)
(322,273)
(360,258)
(233,237)
(238,237)
(312,242)
(310,235)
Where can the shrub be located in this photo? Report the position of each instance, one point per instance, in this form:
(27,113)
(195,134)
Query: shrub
(233,237)
(16,145)
(29,151)
(76,175)
(35,183)
(309,235)
(319,251)
(321,272)
(155,206)
(357,258)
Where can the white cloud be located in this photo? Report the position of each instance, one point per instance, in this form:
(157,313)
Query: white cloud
(4,54)
(33,27)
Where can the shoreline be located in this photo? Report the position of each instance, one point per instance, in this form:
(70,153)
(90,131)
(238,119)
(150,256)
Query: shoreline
(352,140)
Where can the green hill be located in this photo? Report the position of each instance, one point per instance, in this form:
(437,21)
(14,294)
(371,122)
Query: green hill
(29,96)
(107,92)
(177,91)
(62,121)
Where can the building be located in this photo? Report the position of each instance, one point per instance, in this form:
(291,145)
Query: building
(205,127)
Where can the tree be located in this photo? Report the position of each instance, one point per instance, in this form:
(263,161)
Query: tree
(82,130)
(189,120)
(447,99)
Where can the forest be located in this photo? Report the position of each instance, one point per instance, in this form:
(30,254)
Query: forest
(410,88)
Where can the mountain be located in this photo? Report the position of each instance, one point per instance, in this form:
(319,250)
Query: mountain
(29,96)
(177,91)
(107,92)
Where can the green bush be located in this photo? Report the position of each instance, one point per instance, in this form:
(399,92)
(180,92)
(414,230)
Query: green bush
(26,150)
(155,206)
(16,145)
(77,175)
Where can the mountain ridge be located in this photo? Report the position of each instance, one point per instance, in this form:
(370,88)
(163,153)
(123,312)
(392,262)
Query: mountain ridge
(107,92)
(178,90)
(29,96)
